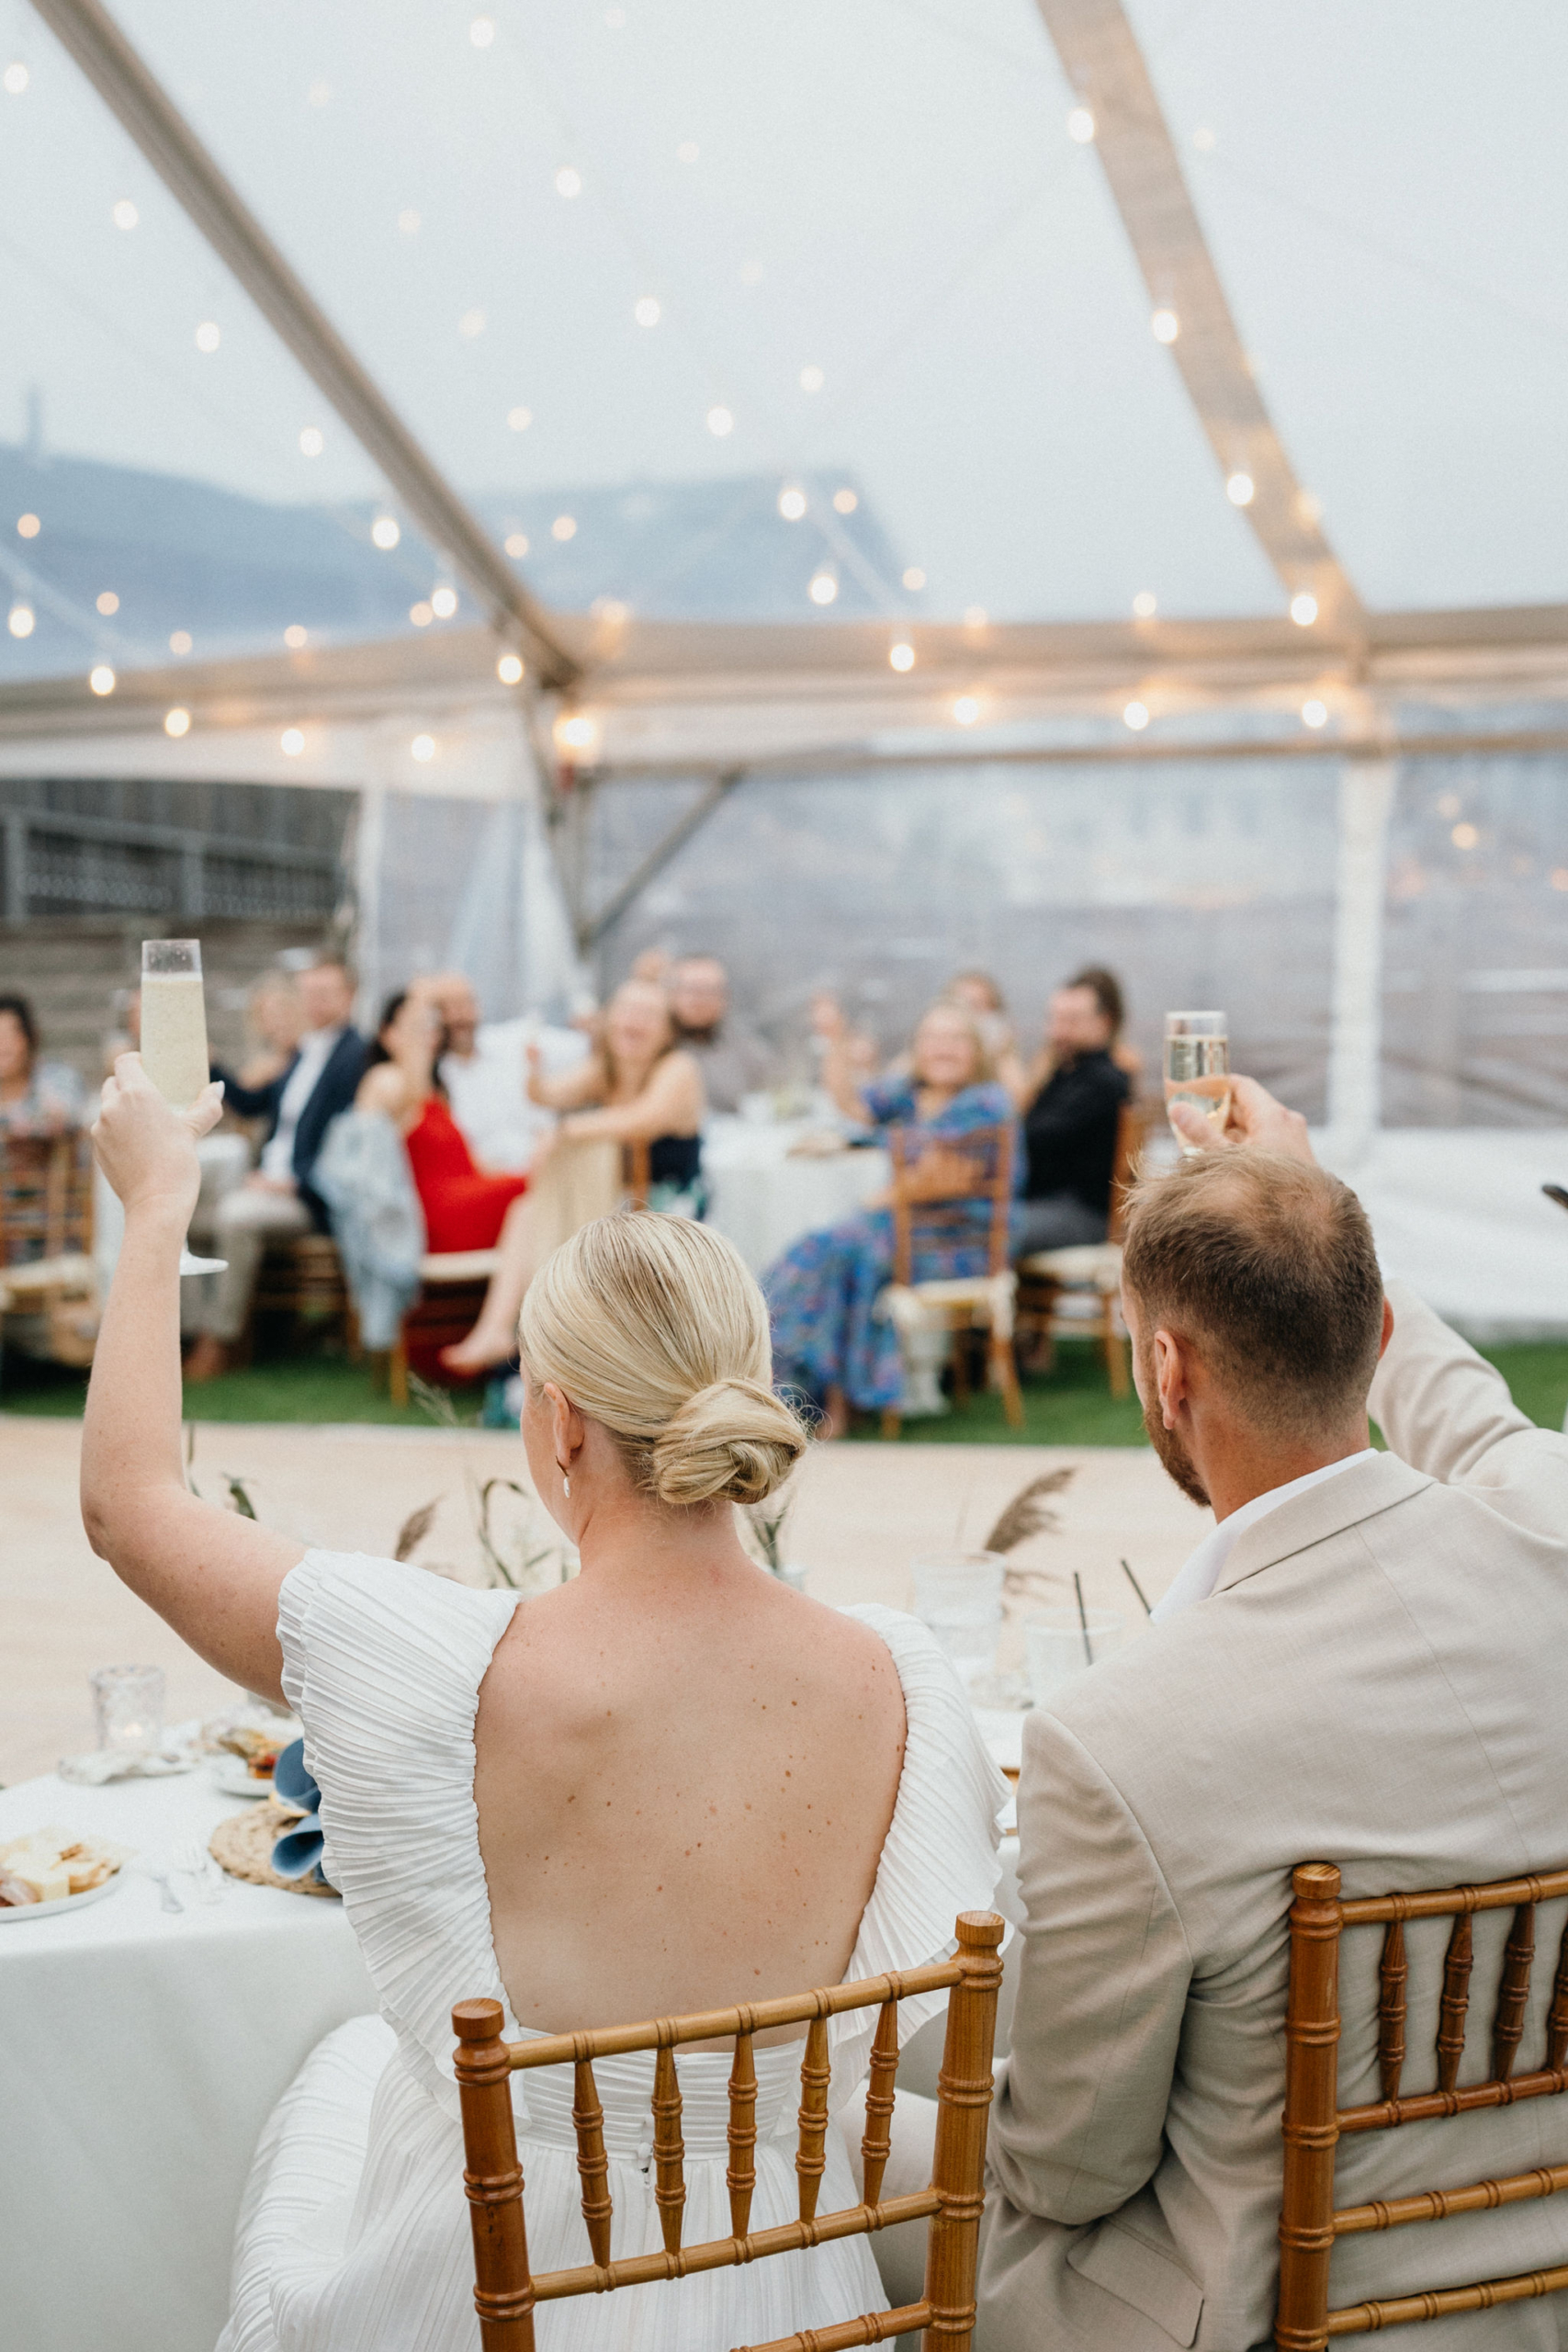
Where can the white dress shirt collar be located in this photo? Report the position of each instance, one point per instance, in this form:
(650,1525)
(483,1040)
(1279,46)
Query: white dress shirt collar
(1201,1573)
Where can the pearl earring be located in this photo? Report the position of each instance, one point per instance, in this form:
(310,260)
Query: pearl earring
(566,1487)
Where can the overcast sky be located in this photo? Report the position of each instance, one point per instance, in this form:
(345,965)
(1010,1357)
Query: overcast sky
(881,190)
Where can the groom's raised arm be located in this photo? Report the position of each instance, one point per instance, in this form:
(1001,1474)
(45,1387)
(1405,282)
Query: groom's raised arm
(1102,1987)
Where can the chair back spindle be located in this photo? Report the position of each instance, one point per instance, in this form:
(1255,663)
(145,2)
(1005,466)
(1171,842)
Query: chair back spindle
(811,2157)
(741,2178)
(1392,1969)
(592,2163)
(668,2149)
(1454,2006)
(877,2146)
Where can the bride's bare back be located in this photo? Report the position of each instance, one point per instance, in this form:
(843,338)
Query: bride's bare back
(684,1779)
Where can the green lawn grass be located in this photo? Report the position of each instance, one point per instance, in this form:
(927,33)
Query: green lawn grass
(1070,1406)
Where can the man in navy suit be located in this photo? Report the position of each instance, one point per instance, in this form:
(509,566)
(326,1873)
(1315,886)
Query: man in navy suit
(277,1199)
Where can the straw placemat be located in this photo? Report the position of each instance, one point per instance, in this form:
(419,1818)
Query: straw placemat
(243,1845)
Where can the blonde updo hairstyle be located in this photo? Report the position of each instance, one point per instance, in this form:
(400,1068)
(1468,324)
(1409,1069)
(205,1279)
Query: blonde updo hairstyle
(653,1327)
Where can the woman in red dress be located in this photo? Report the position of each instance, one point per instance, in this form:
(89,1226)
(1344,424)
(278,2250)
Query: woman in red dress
(465,1207)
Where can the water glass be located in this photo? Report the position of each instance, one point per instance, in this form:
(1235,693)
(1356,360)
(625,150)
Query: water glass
(958,1597)
(1197,1068)
(1056,1646)
(128,1707)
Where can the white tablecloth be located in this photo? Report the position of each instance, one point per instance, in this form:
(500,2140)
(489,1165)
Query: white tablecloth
(762,1200)
(140,2053)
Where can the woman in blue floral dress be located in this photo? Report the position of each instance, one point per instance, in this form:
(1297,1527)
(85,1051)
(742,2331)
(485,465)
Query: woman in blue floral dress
(827,1342)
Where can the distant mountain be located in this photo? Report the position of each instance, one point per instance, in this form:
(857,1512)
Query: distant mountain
(231,573)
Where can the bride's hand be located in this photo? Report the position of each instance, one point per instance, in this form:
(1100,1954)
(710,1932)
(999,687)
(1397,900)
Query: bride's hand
(146,1147)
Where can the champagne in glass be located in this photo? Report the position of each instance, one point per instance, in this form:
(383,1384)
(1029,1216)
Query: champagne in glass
(1197,1068)
(174,1038)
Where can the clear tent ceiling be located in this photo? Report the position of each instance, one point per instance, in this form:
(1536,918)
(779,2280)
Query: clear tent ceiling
(646,268)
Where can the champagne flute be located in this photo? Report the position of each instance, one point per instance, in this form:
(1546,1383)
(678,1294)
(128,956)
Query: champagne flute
(174,1038)
(1197,1069)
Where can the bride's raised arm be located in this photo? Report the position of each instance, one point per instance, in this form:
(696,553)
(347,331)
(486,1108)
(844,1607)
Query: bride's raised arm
(211,1575)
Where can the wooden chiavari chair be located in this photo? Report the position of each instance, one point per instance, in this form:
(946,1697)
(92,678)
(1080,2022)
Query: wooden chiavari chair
(47,1280)
(1314,2121)
(507,2292)
(1092,1271)
(935,1189)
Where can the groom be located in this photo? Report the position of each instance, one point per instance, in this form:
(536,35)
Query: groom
(1361,1664)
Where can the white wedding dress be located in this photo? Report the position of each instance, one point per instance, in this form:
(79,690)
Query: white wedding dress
(353,2235)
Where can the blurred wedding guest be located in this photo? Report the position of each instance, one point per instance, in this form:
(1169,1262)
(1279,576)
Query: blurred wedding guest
(275,1019)
(978,993)
(1070,1128)
(639,1085)
(37,1097)
(733,1060)
(465,1206)
(484,1069)
(277,1200)
(827,1341)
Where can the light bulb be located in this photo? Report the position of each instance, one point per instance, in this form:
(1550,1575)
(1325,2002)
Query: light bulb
(1309,507)
(1239,490)
(516,545)
(408,221)
(519,419)
(576,732)
(481,32)
(1145,605)
(180,641)
(508,668)
(1464,837)
(1136,715)
(295,636)
(384,533)
(16,80)
(751,273)
(444,603)
(568,181)
(646,311)
(792,502)
(720,422)
(312,442)
(109,603)
(687,152)
(1303,610)
(422,614)
(975,617)
(901,656)
(101,679)
(319,94)
(1203,140)
(1315,713)
(176,722)
(844,502)
(471,324)
(422,747)
(125,215)
(564,527)
(1165,326)
(914,579)
(21,621)
(1080,125)
(209,335)
(28,526)
(292,743)
(966,710)
(812,379)
(823,588)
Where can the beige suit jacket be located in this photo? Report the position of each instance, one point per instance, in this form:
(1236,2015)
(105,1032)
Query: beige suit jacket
(1381,1681)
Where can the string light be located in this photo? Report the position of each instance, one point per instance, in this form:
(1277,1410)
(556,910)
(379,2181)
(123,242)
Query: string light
(646,311)
(576,732)
(295,636)
(28,526)
(292,743)
(966,710)
(751,273)
(564,527)
(812,379)
(1145,605)
(1165,326)
(568,181)
(180,641)
(481,32)
(687,152)
(408,221)
(1309,507)
(21,620)
(1239,490)
(1464,837)
(319,94)
(101,678)
(914,579)
(975,617)
(471,324)
(901,656)
(519,419)
(16,80)
(1136,715)
(1315,713)
(384,533)
(1303,610)
(109,603)
(176,722)
(423,748)
(125,215)
(823,589)
(1203,140)
(844,502)
(444,603)
(209,335)
(720,422)
(516,545)
(312,442)
(616,19)
(1080,125)
(792,502)
(508,668)
(422,614)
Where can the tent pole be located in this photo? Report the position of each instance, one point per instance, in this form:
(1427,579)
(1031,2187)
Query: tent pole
(1367,790)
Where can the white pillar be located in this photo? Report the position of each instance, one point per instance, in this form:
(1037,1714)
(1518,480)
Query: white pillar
(368,840)
(1366,802)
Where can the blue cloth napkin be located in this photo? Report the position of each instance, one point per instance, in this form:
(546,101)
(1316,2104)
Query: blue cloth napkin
(298,1853)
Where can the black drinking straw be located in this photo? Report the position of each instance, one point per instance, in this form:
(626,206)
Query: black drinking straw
(1138,1588)
(1083,1620)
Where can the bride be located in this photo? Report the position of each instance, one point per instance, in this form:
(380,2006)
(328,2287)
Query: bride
(670,1784)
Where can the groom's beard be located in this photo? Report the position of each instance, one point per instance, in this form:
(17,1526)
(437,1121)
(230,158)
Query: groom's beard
(1166,1445)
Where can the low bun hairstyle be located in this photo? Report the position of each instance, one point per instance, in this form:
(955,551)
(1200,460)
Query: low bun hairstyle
(653,1327)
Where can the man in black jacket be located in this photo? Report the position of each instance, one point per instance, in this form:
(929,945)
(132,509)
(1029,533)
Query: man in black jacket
(1069,1129)
(277,1200)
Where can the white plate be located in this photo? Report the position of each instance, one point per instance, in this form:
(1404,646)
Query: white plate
(9,1911)
(231,1774)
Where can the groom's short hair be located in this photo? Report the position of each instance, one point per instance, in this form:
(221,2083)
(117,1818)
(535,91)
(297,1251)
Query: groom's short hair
(1268,1265)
